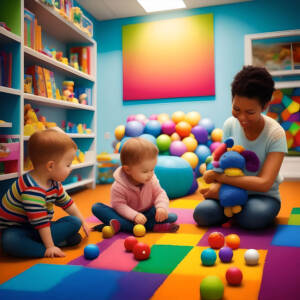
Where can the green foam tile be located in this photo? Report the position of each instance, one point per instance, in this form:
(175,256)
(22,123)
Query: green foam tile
(163,259)
(294,219)
(296,211)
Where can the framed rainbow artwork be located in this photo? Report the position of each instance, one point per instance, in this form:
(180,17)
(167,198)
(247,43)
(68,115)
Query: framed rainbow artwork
(169,58)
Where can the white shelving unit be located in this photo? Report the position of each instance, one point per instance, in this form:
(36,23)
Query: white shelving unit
(290,168)
(65,34)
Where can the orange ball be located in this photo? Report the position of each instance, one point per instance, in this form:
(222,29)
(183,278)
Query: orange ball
(193,118)
(216,135)
(163,118)
(191,143)
(175,137)
(183,128)
(178,116)
(232,241)
(120,132)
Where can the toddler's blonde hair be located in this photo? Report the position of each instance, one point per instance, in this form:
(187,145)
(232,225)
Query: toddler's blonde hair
(49,144)
(135,150)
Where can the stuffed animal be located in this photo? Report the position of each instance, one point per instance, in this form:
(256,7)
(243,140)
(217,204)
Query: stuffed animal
(232,161)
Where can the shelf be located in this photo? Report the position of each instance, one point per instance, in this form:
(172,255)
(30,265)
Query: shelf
(56,103)
(61,29)
(8,37)
(285,72)
(287,84)
(290,168)
(83,165)
(78,184)
(6,125)
(7,90)
(39,58)
(72,135)
(9,176)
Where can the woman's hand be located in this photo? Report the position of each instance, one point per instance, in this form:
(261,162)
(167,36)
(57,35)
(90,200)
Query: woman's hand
(212,192)
(210,176)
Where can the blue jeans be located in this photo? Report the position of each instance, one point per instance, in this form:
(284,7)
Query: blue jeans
(258,212)
(25,241)
(105,213)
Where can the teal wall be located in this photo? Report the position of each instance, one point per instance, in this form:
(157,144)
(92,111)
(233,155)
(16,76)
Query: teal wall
(231,23)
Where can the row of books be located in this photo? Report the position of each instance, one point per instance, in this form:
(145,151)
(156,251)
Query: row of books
(5,68)
(82,56)
(32,31)
(41,82)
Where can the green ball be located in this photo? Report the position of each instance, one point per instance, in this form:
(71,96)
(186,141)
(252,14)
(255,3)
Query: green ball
(211,288)
(163,142)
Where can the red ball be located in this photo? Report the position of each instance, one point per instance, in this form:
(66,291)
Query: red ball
(130,242)
(234,276)
(141,251)
(216,240)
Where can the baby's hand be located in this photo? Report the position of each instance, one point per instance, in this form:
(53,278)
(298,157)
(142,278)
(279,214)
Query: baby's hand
(86,229)
(161,214)
(140,219)
(54,252)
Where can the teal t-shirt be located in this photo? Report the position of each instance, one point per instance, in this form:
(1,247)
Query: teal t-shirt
(271,139)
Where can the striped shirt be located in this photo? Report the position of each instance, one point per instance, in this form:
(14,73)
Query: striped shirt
(27,203)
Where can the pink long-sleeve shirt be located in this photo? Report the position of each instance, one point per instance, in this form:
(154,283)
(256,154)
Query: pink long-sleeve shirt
(128,199)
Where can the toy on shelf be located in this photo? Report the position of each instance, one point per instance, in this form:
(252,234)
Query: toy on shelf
(9,154)
(87,25)
(107,164)
(48,2)
(80,128)
(64,7)
(4,25)
(232,160)
(77,16)
(79,158)
(68,91)
(28,84)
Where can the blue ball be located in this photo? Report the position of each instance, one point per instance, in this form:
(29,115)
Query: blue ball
(175,175)
(124,139)
(202,152)
(149,138)
(91,251)
(208,257)
(153,127)
(134,128)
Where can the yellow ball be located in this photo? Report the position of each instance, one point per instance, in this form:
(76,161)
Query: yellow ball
(175,137)
(139,230)
(193,118)
(178,116)
(107,232)
(216,135)
(120,132)
(191,143)
(191,158)
(163,118)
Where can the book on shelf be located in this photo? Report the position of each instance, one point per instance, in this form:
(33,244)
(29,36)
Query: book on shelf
(83,54)
(38,80)
(32,31)
(6,69)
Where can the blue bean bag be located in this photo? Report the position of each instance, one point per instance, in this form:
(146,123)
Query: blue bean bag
(175,175)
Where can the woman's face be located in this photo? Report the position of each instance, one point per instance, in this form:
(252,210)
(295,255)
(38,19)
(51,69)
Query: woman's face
(247,111)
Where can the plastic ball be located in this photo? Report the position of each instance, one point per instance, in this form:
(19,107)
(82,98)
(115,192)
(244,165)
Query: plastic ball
(134,128)
(191,143)
(216,240)
(232,241)
(213,146)
(139,230)
(234,276)
(251,257)
(178,116)
(163,117)
(163,142)
(107,232)
(217,135)
(130,118)
(202,152)
(122,143)
(153,127)
(225,254)
(149,138)
(200,133)
(153,117)
(129,243)
(183,128)
(191,158)
(177,148)
(117,147)
(120,132)
(175,136)
(91,251)
(211,288)
(141,251)
(141,118)
(207,124)
(208,257)
(192,117)
(168,127)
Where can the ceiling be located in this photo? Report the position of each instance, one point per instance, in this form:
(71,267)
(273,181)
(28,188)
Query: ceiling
(117,9)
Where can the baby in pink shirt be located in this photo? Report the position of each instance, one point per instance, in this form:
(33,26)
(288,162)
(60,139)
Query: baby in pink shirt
(136,195)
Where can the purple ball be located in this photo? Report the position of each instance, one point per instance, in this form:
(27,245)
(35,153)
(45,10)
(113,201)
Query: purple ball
(168,127)
(200,133)
(134,128)
(207,124)
(177,148)
(225,254)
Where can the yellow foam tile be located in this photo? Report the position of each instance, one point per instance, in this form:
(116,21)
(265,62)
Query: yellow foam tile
(191,228)
(191,264)
(184,203)
(180,239)
(190,288)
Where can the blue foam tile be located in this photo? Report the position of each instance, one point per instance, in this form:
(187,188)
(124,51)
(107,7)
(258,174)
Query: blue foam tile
(77,284)
(287,235)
